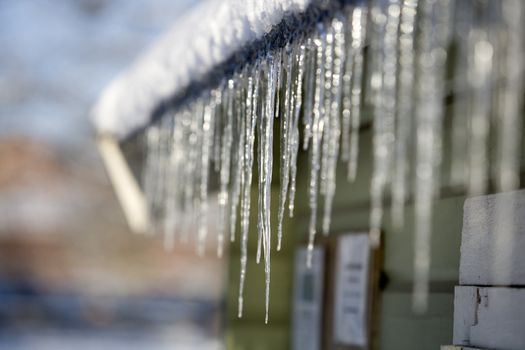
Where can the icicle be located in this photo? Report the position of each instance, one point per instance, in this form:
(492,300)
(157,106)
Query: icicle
(262,110)
(237,151)
(311,55)
(335,124)
(359,24)
(511,115)
(169,206)
(192,147)
(268,105)
(286,122)
(317,132)
(217,133)
(347,89)
(149,174)
(404,111)
(328,74)
(207,140)
(184,123)
(383,91)
(279,62)
(459,169)
(164,143)
(193,161)
(163,166)
(479,72)
(179,154)
(199,208)
(294,131)
(173,179)
(252,98)
(327,119)
(432,42)
(265,171)
(227,140)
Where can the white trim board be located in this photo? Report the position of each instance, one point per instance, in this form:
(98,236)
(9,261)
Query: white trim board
(489,317)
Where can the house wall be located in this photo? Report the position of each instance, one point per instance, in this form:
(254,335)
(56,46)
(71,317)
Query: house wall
(399,327)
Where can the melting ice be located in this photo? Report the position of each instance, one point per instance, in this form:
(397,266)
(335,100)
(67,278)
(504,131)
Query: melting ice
(388,56)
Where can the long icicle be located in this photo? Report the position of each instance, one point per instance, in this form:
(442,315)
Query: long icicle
(459,168)
(260,220)
(334,120)
(169,207)
(310,81)
(207,139)
(217,133)
(265,176)
(252,97)
(347,89)
(162,167)
(359,24)
(294,134)
(227,141)
(284,144)
(238,151)
(479,72)
(176,157)
(383,99)
(189,195)
(197,111)
(404,110)
(327,124)
(317,132)
(432,43)
(182,124)
(150,175)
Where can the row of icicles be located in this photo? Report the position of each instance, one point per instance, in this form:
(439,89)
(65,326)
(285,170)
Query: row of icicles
(315,88)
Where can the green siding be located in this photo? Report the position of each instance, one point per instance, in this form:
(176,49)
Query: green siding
(399,327)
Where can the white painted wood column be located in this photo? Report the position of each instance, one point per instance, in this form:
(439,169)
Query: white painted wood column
(489,303)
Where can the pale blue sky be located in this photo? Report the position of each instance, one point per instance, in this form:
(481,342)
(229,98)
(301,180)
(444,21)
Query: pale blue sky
(57,55)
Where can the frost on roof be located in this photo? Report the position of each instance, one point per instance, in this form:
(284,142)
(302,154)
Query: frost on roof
(207,36)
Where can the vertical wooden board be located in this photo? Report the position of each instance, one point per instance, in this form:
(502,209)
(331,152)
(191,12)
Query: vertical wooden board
(490,317)
(493,239)
(465,307)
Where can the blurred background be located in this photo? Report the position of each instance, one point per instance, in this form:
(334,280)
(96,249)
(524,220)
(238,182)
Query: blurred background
(71,273)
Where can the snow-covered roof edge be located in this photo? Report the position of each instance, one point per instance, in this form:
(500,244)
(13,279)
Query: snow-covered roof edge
(212,32)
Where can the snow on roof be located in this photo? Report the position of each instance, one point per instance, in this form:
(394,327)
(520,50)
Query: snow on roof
(206,37)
